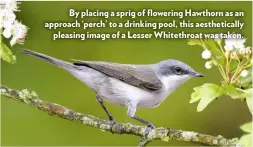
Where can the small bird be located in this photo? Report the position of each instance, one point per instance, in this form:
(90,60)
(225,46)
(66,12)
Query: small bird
(128,85)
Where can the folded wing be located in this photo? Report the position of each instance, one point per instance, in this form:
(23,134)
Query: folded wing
(132,74)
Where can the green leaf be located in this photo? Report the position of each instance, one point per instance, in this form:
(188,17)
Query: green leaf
(237,93)
(247,127)
(195,42)
(195,96)
(204,102)
(247,138)
(246,80)
(6,54)
(249,103)
(234,64)
(206,94)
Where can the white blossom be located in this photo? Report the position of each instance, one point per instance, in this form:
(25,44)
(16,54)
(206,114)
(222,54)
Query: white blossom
(231,44)
(19,32)
(244,73)
(208,64)
(1,17)
(11,5)
(206,54)
(8,18)
(11,27)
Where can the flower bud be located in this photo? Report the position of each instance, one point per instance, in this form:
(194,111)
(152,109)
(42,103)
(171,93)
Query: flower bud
(242,51)
(206,54)
(244,73)
(208,64)
(248,50)
(7,33)
(228,47)
(233,55)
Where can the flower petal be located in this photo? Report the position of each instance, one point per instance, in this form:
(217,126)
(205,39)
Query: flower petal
(13,41)
(228,47)
(7,33)
(11,5)
(19,30)
(8,18)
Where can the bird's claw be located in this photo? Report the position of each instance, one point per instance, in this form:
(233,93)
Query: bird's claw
(148,129)
(112,123)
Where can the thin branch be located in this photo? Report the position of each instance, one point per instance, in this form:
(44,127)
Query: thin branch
(165,134)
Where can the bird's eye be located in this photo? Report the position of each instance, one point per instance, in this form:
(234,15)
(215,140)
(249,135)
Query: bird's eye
(178,71)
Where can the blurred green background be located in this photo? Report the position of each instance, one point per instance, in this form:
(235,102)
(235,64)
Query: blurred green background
(23,125)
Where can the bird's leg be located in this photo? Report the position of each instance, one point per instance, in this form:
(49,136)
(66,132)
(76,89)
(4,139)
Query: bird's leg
(111,118)
(150,126)
(131,113)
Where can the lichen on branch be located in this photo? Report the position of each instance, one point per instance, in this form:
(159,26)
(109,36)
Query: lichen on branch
(165,134)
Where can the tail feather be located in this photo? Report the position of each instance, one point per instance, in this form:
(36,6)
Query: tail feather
(62,64)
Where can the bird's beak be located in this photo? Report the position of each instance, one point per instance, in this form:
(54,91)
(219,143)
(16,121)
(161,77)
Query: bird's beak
(198,75)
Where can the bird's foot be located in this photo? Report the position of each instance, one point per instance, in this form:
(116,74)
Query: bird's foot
(112,123)
(148,129)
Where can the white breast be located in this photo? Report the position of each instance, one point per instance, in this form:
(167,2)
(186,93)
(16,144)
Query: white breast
(120,93)
(170,83)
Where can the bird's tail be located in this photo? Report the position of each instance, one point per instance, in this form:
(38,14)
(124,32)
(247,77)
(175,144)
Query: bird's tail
(62,64)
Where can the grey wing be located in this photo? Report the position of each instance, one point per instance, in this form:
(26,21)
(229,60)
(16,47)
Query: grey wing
(131,74)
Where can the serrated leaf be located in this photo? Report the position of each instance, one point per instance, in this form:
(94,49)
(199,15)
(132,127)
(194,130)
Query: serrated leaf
(204,102)
(246,140)
(247,127)
(195,95)
(6,54)
(237,93)
(195,42)
(206,94)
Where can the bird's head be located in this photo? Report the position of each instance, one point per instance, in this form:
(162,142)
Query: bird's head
(173,73)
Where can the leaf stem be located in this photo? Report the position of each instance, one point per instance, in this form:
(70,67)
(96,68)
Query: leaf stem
(204,45)
(228,60)
(222,71)
(1,29)
(221,48)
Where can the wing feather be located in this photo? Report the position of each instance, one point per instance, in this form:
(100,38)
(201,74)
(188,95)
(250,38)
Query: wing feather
(131,74)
